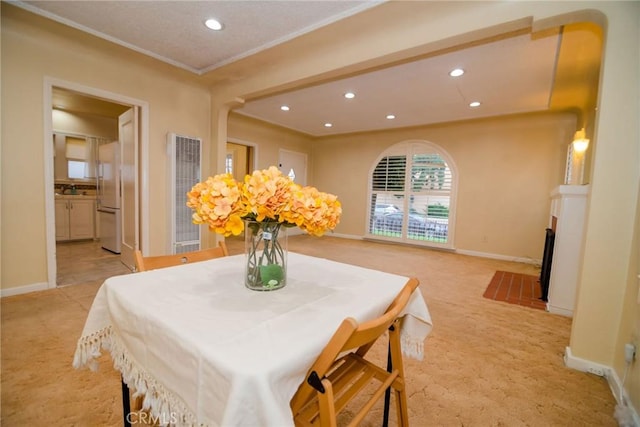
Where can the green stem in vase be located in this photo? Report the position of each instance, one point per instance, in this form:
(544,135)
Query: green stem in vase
(265,271)
(271,272)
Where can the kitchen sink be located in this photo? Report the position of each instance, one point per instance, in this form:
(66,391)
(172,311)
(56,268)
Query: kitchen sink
(74,196)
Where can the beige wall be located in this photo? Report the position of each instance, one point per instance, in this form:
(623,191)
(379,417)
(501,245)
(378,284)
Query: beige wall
(506,170)
(269,139)
(34,49)
(602,322)
(629,331)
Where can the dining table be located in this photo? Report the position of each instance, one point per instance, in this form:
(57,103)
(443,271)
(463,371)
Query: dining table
(202,349)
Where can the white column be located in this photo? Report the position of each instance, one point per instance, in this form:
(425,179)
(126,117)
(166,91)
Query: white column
(568,206)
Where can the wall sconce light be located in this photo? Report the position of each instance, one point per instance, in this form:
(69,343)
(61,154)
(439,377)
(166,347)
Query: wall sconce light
(580,141)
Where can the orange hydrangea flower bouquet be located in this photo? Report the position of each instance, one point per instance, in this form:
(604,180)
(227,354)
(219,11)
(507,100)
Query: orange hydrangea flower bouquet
(265,202)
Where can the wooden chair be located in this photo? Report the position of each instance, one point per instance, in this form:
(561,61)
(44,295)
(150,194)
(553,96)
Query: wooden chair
(335,379)
(161,261)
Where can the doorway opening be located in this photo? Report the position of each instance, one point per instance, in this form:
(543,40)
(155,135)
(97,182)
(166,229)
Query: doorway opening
(90,117)
(240,159)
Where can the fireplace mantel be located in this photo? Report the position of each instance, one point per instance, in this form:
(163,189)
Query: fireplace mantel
(568,213)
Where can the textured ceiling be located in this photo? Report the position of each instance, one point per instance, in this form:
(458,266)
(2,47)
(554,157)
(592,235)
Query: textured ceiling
(556,70)
(174,31)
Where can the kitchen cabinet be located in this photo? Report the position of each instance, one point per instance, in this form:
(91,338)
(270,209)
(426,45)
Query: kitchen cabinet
(75,219)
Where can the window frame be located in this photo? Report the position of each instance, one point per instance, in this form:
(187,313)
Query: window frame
(409,149)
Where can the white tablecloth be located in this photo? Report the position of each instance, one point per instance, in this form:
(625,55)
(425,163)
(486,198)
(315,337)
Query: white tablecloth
(205,350)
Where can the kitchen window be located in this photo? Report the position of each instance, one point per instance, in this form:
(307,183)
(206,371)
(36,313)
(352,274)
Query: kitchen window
(75,156)
(75,169)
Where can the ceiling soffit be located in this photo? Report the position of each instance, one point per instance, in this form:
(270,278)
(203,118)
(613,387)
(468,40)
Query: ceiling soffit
(517,73)
(577,74)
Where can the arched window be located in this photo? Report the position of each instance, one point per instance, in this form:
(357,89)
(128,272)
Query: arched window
(412,195)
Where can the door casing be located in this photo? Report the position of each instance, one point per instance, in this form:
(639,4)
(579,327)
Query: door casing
(143,164)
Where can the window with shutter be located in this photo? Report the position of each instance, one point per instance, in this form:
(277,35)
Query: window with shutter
(75,152)
(412,195)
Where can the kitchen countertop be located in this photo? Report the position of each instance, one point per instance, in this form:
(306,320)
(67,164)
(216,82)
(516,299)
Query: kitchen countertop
(75,196)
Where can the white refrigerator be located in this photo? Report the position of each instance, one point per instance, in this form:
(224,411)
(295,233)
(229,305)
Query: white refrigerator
(109,196)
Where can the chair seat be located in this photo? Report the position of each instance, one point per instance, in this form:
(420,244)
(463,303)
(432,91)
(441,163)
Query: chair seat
(350,376)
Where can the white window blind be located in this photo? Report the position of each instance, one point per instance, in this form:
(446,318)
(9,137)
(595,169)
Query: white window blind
(76,148)
(389,174)
(429,172)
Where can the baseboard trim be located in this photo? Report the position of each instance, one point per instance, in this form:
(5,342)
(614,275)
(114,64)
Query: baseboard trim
(345,236)
(615,384)
(18,290)
(498,256)
(559,310)
(584,365)
(524,260)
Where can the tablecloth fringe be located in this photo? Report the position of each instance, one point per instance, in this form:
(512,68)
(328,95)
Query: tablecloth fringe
(162,404)
(412,347)
(88,349)
(414,328)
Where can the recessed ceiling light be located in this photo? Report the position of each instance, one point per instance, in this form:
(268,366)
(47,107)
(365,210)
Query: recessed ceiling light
(213,24)
(390,116)
(349,95)
(474,104)
(285,108)
(457,72)
(328,125)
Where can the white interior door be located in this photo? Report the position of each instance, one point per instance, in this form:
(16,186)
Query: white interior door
(294,165)
(128,136)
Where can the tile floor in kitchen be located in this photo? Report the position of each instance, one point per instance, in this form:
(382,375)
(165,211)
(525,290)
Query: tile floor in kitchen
(85,261)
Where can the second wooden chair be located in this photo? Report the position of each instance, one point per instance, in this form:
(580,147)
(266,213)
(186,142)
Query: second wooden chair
(160,261)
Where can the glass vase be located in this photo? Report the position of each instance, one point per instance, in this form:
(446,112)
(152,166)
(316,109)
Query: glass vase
(265,248)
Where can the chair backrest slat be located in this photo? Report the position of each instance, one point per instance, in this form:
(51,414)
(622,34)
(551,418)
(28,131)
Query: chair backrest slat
(162,261)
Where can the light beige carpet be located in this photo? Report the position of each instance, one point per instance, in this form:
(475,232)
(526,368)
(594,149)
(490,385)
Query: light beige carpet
(487,363)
